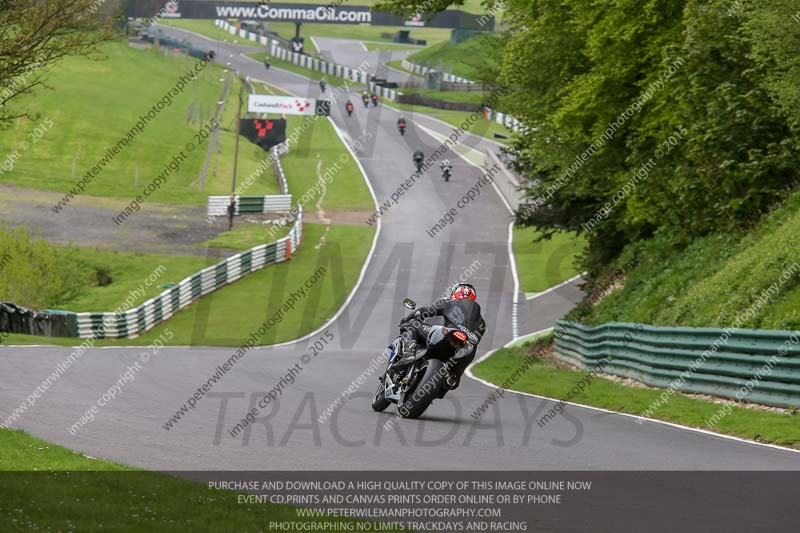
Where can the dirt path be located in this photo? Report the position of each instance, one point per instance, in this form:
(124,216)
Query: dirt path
(156,228)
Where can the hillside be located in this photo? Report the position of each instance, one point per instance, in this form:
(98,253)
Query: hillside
(90,105)
(717,279)
(466,59)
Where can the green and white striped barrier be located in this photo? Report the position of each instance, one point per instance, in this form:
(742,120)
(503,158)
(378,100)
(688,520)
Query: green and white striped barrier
(279,203)
(146,316)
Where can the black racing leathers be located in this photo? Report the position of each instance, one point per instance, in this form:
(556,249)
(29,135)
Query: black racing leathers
(466,313)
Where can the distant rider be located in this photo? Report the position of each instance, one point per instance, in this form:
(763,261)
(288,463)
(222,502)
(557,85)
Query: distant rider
(267,63)
(322,85)
(374,99)
(446,166)
(460,309)
(349,107)
(418,157)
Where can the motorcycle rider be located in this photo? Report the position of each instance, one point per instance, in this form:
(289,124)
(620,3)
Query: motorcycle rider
(365,98)
(267,63)
(460,309)
(349,107)
(401,124)
(322,84)
(374,98)
(418,157)
(447,168)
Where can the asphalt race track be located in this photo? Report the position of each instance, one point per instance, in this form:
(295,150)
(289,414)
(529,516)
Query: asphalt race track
(405,262)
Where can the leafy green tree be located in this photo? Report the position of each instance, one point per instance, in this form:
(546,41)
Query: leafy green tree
(649,118)
(773,32)
(35,35)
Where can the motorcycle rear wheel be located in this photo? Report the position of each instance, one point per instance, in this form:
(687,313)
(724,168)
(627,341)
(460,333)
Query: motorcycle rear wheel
(417,398)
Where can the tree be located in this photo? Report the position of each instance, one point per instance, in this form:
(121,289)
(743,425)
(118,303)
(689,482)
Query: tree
(773,32)
(37,34)
(650,117)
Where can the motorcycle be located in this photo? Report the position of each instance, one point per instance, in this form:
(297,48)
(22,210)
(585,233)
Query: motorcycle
(349,109)
(414,385)
(446,173)
(418,164)
(322,86)
(402,128)
(375,100)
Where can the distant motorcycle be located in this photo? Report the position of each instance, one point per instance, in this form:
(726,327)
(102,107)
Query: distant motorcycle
(414,385)
(375,100)
(365,101)
(446,173)
(401,127)
(322,85)
(349,107)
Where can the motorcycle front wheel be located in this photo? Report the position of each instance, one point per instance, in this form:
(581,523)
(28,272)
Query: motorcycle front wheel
(419,395)
(379,401)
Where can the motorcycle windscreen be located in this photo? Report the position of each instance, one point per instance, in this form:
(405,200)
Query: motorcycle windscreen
(463,313)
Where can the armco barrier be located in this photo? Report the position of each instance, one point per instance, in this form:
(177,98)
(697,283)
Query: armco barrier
(155,310)
(761,366)
(278,203)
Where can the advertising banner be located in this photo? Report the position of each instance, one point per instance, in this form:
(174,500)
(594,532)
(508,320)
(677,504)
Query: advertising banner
(312,13)
(286,105)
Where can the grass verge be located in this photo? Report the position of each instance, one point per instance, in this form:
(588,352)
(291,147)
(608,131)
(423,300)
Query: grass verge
(475,98)
(50,488)
(466,59)
(245,236)
(546,378)
(543,264)
(321,148)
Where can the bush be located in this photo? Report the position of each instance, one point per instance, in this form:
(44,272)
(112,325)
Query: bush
(34,273)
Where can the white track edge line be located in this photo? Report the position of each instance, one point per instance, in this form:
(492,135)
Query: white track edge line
(706,432)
